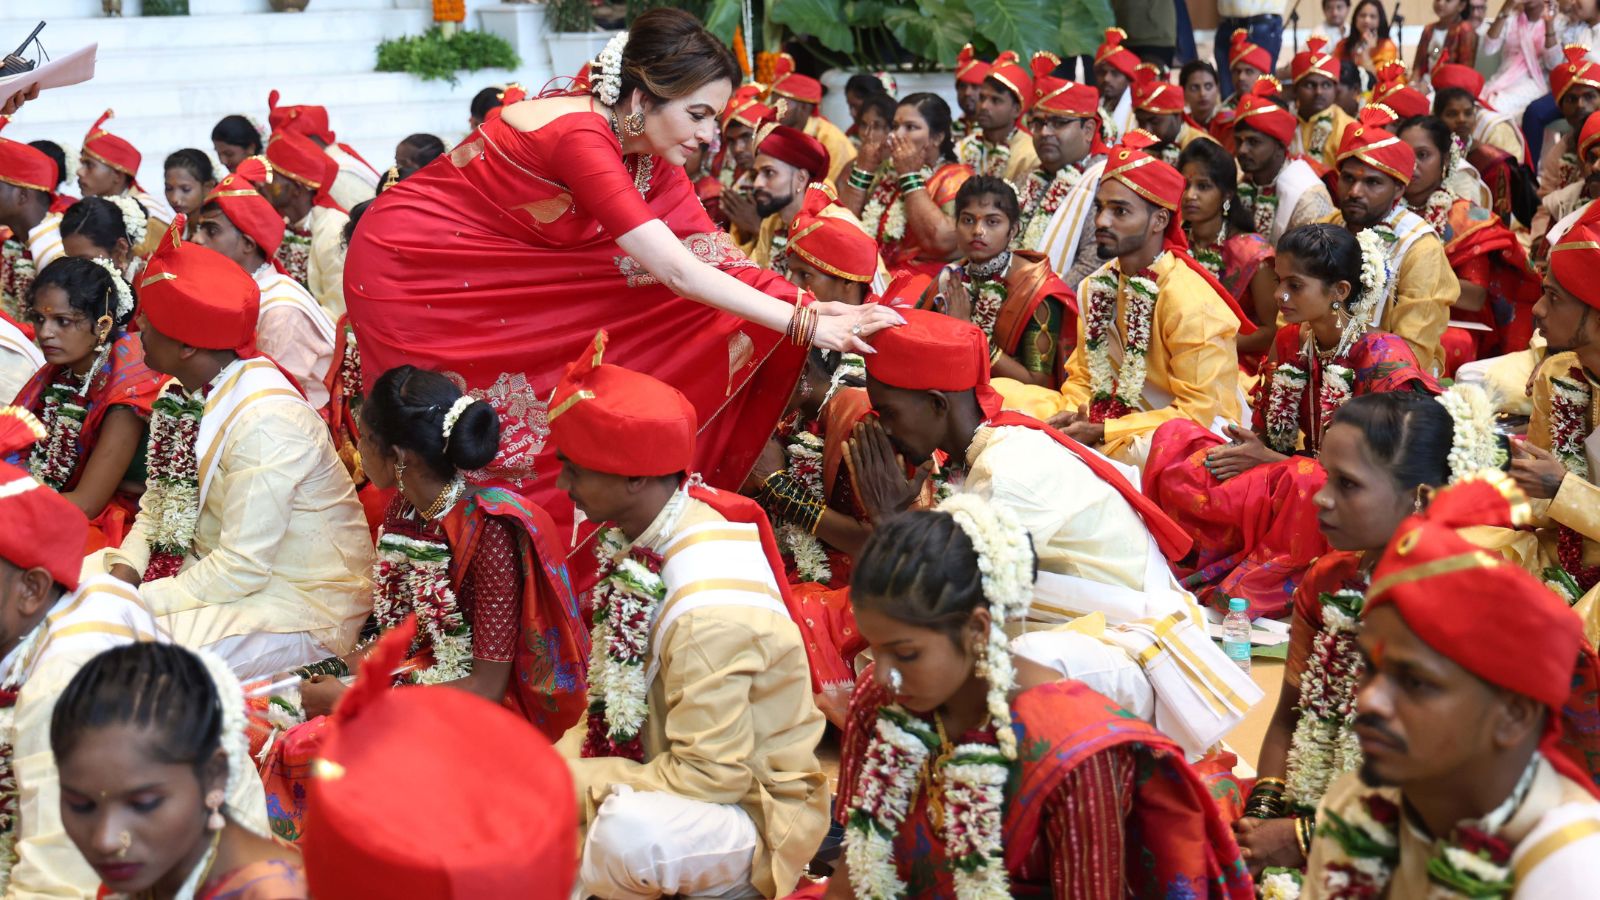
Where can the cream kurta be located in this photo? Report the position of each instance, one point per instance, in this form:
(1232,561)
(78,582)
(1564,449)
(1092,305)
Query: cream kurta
(103,613)
(325,262)
(1555,835)
(840,150)
(355,183)
(732,721)
(295,332)
(1326,151)
(1419,309)
(1192,365)
(19,359)
(1018,163)
(282,545)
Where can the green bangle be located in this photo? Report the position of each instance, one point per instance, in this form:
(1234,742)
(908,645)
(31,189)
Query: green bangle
(912,181)
(859,179)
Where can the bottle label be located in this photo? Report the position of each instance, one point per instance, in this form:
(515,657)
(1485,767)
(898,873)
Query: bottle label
(1238,651)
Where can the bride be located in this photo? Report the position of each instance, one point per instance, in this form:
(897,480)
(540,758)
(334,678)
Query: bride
(569,213)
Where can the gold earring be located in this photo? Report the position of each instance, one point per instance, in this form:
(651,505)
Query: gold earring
(633,124)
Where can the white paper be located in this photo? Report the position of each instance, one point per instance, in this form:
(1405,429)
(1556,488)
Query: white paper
(74,68)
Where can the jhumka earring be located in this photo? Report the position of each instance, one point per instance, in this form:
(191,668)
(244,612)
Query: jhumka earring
(633,124)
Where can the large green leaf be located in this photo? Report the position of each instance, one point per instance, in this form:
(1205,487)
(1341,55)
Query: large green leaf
(822,19)
(932,29)
(1020,25)
(1083,26)
(722,17)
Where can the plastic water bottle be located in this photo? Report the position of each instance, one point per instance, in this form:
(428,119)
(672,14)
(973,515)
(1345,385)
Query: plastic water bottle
(1236,632)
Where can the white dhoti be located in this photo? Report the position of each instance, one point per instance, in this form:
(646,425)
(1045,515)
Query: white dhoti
(648,844)
(264,653)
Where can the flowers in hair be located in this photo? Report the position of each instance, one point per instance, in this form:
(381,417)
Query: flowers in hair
(608,70)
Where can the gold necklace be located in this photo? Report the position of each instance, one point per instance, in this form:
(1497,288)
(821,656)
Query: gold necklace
(446,499)
(932,775)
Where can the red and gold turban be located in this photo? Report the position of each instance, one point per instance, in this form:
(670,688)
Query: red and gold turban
(828,238)
(1366,140)
(1575,260)
(1259,110)
(44,530)
(249,212)
(791,84)
(1113,54)
(1154,94)
(1009,71)
(105,147)
(296,158)
(795,147)
(969,68)
(27,167)
(1578,69)
(1393,92)
(1314,61)
(1240,50)
(616,420)
(199,297)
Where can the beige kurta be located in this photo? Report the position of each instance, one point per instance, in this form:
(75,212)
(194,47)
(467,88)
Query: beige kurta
(1419,310)
(282,545)
(731,720)
(101,614)
(1191,367)
(1318,137)
(1555,835)
(840,150)
(325,262)
(19,359)
(1015,165)
(295,332)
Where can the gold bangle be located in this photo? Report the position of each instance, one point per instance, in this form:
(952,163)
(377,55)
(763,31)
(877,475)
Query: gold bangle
(1268,780)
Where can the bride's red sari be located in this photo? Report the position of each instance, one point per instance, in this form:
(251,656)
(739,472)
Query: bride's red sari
(497,263)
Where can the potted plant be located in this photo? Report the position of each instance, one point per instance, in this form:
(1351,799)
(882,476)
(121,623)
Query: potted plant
(522,24)
(572,36)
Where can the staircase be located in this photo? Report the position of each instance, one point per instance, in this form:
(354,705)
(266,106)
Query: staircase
(171,78)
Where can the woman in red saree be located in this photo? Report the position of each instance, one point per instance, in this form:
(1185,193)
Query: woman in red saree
(568,214)
(93,395)
(1029,315)
(1222,239)
(954,744)
(1247,498)
(482,570)
(904,190)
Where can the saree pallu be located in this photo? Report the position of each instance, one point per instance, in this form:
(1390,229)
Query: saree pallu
(1148,808)
(1243,255)
(483,265)
(1256,533)
(270,879)
(1038,323)
(124,380)
(549,669)
(906,253)
(1484,252)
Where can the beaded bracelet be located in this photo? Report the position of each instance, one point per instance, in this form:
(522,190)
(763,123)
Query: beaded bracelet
(860,179)
(333,665)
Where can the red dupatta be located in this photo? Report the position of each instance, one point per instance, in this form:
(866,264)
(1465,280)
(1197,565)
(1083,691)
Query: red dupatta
(551,665)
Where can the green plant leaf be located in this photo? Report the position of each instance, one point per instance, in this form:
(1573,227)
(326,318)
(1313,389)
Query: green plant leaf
(433,57)
(933,29)
(1083,27)
(722,17)
(1020,25)
(822,19)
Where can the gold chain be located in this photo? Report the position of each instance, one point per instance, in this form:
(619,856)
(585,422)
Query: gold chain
(932,776)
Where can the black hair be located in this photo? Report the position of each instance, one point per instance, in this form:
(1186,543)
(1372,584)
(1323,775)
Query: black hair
(238,132)
(193,161)
(1355,13)
(1349,75)
(97,219)
(406,408)
(485,100)
(936,113)
(1438,133)
(90,289)
(1445,96)
(1409,434)
(980,186)
(58,155)
(670,55)
(920,568)
(426,147)
(356,212)
(1224,173)
(1326,252)
(1194,67)
(881,102)
(864,85)
(147,685)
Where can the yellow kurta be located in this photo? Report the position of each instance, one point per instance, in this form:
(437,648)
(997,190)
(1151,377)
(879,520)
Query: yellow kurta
(1188,134)
(1326,150)
(732,721)
(1192,359)
(282,545)
(101,614)
(1419,312)
(760,249)
(156,222)
(840,150)
(1020,160)
(325,263)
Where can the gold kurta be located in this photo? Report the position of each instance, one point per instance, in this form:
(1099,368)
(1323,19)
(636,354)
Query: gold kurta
(732,721)
(1419,312)
(1021,160)
(760,249)
(1192,359)
(1325,151)
(840,149)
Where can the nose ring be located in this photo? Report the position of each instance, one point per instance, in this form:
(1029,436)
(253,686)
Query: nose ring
(895,680)
(124,844)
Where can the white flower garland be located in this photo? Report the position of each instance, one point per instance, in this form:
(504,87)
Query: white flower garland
(1040,202)
(984,158)
(1569,424)
(1324,745)
(172,491)
(1321,130)
(1474,446)
(974,797)
(1127,386)
(1376,276)
(134,219)
(1262,203)
(453,415)
(885,212)
(899,749)
(607,73)
(54,459)
(124,306)
(804,451)
(412,575)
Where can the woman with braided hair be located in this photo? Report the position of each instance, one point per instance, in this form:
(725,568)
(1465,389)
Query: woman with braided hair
(970,772)
(479,567)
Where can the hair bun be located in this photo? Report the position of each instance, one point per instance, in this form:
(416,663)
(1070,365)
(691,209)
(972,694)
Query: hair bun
(475,439)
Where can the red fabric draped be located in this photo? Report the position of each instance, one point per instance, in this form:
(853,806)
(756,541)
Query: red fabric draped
(497,263)
(1484,252)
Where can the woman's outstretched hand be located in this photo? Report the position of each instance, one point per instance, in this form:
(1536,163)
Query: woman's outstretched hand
(843,327)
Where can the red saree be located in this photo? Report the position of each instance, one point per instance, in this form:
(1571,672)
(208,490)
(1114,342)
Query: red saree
(906,253)
(497,263)
(1235,261)
(271,879)
(1100,804)
(1483,251)
(550,664)
(124,381)
(1256,534)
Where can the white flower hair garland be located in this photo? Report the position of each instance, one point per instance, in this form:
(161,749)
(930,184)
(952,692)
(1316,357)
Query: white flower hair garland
(1374,287)
(1474,445)
(134,221)
(608,70)
(454,414)
(124,306)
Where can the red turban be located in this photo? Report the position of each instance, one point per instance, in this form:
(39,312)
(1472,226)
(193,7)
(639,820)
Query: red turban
(105,147)
(44,530)
(1059,97)
(1576,70)
(1588,134)
(249,212)
(497,798)
(1152,93)
(795,147)
(1393,92)
(1313,61)
(311,121)
(1113,54)
(199,297)
(933,352)
(1458,598)
(1260,111)
(1367,141)
(294,157)
(746,108)
(619,421)
(828,238)
(1009,71)
(1575,260)
(27,167)
(789,83)
(970,69)
(1467,78)
(1240,50)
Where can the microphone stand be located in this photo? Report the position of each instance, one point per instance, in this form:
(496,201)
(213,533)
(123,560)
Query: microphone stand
(1294,29)
(1399,20)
